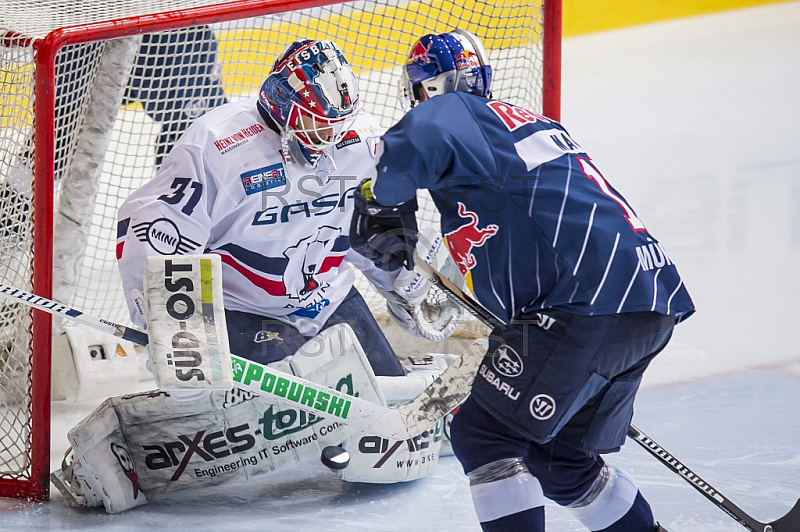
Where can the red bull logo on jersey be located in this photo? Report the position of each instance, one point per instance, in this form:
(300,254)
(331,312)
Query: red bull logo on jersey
(465,238)
(514,117)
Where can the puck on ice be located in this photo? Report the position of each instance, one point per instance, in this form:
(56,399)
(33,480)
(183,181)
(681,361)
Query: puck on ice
(335,457)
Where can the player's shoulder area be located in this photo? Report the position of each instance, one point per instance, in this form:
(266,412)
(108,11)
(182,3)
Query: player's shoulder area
(367,122)
(362,133)
(225,125)
(441,112)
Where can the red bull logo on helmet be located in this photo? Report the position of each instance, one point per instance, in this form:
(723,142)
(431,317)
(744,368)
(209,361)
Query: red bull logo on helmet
(419,52)
(467,60)
(465,238)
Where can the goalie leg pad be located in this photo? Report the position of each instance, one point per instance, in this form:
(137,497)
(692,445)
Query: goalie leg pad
(90,364)
(378,460)
(137,447)
(383,461)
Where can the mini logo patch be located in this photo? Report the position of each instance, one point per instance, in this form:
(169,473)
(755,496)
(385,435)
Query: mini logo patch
(350,138)
(163,236)
(266,336)
(262,179)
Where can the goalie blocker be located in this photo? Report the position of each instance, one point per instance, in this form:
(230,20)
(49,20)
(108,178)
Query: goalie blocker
(186,329)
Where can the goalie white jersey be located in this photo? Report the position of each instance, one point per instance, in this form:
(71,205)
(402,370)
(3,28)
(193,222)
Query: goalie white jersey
(280,228)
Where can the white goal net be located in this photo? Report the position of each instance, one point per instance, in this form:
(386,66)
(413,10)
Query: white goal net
(94,93)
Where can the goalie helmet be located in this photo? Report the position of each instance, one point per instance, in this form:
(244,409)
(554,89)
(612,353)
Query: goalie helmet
(312,95)
(454,61)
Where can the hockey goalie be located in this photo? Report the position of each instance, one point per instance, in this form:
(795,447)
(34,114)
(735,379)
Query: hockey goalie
(263,189)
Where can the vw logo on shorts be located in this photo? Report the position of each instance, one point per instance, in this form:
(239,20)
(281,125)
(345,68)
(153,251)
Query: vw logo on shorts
(507,362)
(542,407)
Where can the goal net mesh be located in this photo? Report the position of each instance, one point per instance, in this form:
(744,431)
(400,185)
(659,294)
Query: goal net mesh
(169,79)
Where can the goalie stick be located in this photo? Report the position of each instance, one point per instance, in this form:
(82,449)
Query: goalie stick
(406,421)
(788,523)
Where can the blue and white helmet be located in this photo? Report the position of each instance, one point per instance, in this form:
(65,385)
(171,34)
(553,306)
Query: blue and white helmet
(453,61)
(312,95)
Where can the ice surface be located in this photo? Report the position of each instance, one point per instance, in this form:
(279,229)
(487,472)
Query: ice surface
(696,122)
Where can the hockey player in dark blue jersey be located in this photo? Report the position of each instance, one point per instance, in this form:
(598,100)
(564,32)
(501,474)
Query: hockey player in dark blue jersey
(547,244)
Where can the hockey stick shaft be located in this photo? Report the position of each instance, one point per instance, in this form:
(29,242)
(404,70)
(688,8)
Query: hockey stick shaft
(399,423)
(58,309)
(459,296)
(788,523)
(248,375)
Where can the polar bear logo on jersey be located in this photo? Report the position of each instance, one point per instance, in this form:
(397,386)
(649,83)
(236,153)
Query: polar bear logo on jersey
(305,262)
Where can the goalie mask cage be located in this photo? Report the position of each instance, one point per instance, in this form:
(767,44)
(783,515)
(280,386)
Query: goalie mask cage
(95,91)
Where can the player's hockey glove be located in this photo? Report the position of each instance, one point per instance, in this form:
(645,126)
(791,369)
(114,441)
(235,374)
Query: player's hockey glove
(385,235)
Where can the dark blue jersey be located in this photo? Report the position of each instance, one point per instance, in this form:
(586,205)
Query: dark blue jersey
(527,215)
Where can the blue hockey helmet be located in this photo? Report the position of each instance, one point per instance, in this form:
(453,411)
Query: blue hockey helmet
(453,61)
(312,94)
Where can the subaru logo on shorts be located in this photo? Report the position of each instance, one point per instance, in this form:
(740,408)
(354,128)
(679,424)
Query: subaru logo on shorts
(507,362)
(543,407)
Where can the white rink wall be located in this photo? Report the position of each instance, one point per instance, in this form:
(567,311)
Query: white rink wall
(696,123)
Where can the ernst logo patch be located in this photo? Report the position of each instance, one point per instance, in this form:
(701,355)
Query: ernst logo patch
(262,179)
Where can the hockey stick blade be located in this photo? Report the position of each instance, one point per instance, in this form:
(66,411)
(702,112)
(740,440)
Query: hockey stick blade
(393,423)
(788,523)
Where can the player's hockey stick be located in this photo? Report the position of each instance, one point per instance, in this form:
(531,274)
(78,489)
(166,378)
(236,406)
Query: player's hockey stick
(401,423)
(788,523)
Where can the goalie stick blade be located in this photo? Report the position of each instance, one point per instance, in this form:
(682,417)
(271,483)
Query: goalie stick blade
(448,391)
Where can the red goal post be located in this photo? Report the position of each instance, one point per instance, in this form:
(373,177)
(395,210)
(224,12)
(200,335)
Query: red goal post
(52,55)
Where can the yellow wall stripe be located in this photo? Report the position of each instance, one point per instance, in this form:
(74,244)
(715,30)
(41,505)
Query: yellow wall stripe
(589,16)
(380,38)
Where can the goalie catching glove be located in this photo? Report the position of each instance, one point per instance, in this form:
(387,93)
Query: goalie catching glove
(415,304)
(386,235)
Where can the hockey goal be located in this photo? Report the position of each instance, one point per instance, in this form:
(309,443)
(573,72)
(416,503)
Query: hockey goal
(95,91)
